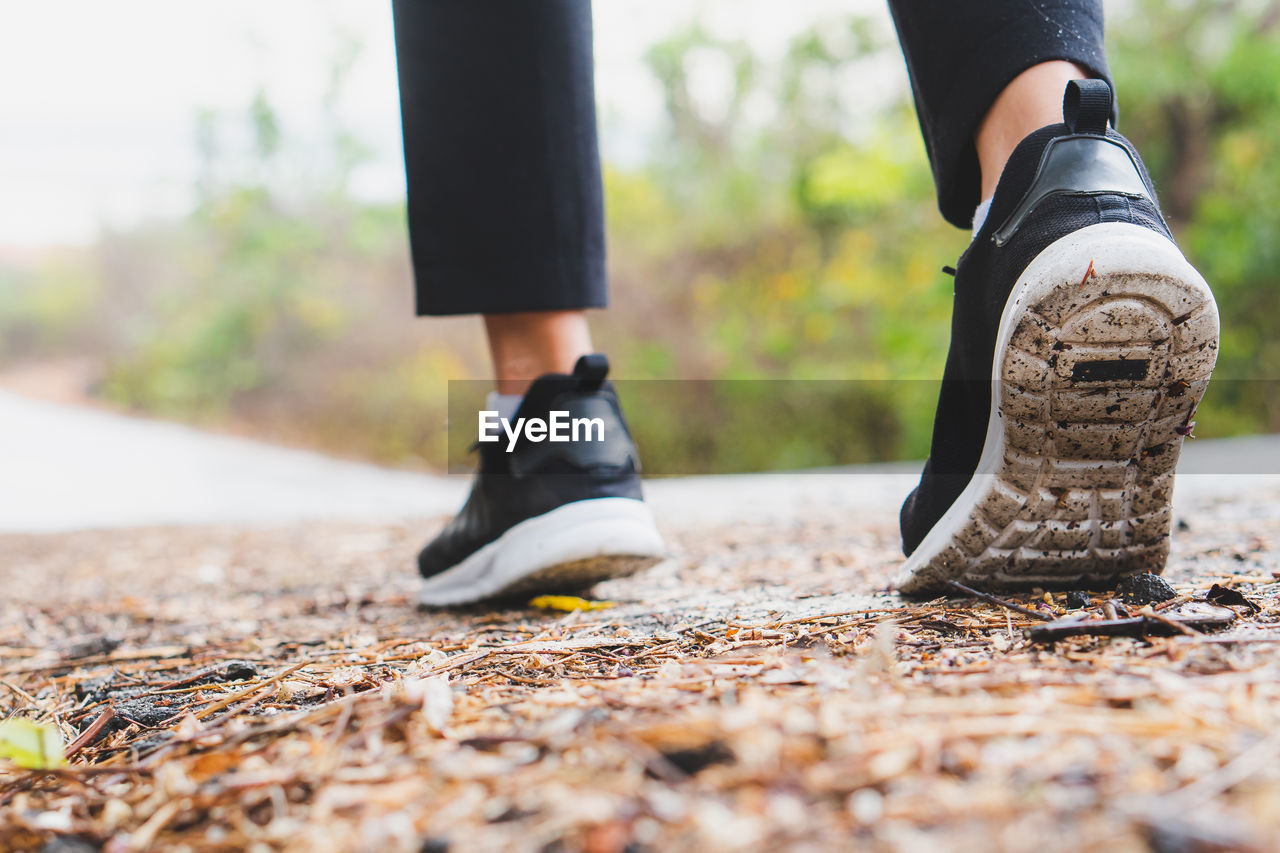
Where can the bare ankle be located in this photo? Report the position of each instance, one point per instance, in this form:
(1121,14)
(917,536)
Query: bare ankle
(1032,100)
(524,346)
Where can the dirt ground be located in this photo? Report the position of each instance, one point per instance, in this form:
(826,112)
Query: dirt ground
(275,689)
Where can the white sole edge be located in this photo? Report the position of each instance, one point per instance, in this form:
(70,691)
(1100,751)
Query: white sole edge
(1076,476)
(570,547)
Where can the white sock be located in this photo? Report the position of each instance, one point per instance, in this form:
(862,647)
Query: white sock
(504,404)
(980,215)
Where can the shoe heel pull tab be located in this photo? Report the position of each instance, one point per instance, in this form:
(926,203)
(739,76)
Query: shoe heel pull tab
(1086,106)
(591,370)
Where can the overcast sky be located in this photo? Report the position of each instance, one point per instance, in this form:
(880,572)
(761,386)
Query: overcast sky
(98,100)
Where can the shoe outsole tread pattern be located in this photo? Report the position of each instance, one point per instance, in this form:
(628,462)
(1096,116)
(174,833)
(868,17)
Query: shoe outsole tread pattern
(579,575)
(1106,348)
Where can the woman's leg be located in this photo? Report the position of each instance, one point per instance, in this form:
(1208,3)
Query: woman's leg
(985,75)
(506,215)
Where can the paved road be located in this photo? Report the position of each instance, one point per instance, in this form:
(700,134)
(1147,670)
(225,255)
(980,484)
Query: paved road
(69,468)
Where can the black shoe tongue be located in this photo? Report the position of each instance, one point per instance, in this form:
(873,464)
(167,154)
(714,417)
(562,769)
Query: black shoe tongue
(588,377)
(592,370)
(1087,106)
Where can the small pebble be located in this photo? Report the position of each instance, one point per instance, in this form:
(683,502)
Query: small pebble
(1145,588)
(238,670)
(1077,599)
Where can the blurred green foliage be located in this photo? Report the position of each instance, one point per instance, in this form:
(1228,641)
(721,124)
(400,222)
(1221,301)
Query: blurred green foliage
(782,228)
(1202,101)
(799,243)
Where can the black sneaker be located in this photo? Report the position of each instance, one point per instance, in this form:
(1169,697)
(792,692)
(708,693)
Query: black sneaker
(1097,337)
(548,516)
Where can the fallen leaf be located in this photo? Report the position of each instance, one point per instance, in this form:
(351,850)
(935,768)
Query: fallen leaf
(1230,597)
(569,603)
(31,745)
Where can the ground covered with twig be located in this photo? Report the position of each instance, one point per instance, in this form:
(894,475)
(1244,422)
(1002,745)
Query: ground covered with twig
(275,689)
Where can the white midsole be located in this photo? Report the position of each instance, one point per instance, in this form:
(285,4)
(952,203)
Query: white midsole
(598,527)
(1113,246)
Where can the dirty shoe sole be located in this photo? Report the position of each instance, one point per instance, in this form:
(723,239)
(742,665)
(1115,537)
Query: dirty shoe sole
(1104,350)
(565,550)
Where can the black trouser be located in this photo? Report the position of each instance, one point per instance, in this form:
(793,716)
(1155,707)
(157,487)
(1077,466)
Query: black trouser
(497,98)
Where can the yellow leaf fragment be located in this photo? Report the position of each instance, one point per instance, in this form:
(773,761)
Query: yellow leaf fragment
(31,745)
(569,603)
